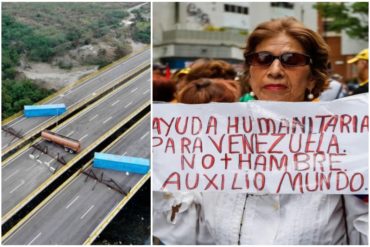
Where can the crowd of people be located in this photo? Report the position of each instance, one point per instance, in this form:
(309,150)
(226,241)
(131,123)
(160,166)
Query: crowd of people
(284,61)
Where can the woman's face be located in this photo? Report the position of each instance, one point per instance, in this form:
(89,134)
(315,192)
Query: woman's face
(276,82)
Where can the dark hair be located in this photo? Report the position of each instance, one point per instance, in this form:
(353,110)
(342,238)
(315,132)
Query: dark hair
(312,43)
(211,69)
(163,88)
(208,90)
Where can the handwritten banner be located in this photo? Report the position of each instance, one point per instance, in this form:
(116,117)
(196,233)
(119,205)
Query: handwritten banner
(262,147)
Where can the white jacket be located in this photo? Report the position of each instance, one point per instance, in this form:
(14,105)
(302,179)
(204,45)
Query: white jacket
(236,218)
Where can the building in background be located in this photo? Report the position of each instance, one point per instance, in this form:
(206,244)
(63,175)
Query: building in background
(342,48)
(183,32)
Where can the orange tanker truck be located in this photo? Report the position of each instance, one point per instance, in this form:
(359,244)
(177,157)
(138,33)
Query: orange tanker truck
(69,144)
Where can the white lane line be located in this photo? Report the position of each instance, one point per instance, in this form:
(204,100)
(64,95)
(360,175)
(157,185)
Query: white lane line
(20,120)
(115,102)
(38,235)
(93,117)
(30,168)
(83,137)
(87,212)
(39,161)
(144,135)
(146,91)
(124,153)
(133,90)
(5,145)
(70,133)
(106,120)
(48,163)
(72,201)
(19,185)
(128,104)
(11,175)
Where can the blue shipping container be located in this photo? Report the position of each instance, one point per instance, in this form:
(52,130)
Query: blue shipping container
(121,163)
(44,110)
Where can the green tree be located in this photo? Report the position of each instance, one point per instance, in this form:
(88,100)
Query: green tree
(353,18)
(141,32)
(16,94)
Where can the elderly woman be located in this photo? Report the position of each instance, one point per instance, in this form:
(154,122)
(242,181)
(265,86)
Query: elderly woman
(285,61)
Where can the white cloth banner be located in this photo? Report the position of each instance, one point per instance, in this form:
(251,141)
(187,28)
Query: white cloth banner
(262,147)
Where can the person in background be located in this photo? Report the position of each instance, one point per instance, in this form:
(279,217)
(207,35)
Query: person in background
(284,61)
(163,88)
(206,90)
(361,60)
(207,68)
(336,88)
(158,69)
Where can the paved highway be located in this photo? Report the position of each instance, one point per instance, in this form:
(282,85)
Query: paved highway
(28,171)
(72,214)
(72,97)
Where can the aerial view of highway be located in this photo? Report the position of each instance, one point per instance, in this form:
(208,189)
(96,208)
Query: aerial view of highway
(72,98)
(20,184)
(86,202)
(74,151)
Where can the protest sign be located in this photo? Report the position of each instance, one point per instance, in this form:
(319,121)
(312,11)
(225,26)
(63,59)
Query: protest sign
(262,147)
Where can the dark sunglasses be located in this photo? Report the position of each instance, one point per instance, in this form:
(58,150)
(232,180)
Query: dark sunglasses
(287,59)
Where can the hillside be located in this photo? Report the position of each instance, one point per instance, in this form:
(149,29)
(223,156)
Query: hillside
(57,43)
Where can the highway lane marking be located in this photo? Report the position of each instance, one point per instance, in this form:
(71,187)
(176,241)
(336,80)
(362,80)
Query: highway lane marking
(146,91)
(30,168)
(83,137)
(20,120)
(93,117)
(106,120)
(94,93)
(87,212)
(38,235)
(124,153)
(11,175)
(39,161)
(91,109)
(48,163)
(99,78)
(128,104)
(144,135)
(5,145)
(70,133)
(115,102)
(72,202)
(19,185)
(133,90)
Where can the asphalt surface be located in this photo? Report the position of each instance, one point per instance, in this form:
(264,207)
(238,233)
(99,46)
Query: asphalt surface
(75,95)
(27,171)
(73,213)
